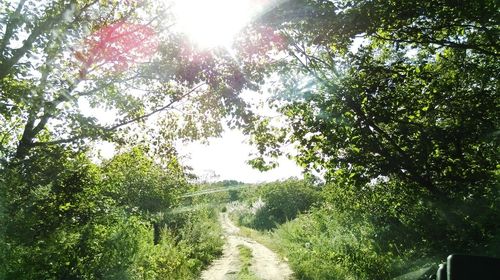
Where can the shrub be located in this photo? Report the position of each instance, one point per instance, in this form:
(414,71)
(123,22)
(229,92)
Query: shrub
(282,201)
(383,230)
(326,244)
(64,217)
(200,236)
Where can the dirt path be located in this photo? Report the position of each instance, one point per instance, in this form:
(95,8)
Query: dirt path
(265,263)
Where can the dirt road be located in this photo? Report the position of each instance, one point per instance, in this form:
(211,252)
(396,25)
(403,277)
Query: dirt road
(266,264)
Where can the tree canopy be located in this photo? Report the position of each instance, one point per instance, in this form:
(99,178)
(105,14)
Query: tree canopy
(59,60)
(383,88)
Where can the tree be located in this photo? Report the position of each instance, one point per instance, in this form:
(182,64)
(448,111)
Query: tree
(417,99)
(120,56)
(63,216)
(396,105)
(135,181)
(283,201)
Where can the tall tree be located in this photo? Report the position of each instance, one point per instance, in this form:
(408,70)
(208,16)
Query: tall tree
(396,103)
(383,88)
(120,56)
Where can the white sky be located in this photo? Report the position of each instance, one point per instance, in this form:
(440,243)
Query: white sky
(211,23)
(223,158)
(226,157)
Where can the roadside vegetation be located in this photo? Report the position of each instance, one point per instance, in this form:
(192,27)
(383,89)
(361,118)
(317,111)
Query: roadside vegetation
(375,236)
(394,104)
(275,203)
(69,218)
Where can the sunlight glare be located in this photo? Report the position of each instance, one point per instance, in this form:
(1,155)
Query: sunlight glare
(213,23)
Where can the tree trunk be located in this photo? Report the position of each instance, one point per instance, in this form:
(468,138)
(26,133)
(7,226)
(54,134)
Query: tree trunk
(24,144)
(156,233)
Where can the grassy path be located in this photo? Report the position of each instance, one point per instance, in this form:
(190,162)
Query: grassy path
(244,257)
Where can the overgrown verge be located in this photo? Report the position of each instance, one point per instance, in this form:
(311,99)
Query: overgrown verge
(271,204)
(379,232)
(64,217)
(328,245)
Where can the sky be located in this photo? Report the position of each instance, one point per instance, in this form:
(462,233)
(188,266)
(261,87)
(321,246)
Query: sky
(214,23)
(211,23)
(226,157)
(223,158)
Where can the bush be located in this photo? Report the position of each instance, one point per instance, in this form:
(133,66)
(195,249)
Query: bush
(200,236)
(382,230)
(64,217)
(326,244)
(281,202)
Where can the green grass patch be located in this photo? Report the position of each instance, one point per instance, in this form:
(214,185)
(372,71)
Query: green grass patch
(266,238)
(246,262)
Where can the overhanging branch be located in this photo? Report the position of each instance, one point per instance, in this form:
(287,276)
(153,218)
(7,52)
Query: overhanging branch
(112,128)
(154,111)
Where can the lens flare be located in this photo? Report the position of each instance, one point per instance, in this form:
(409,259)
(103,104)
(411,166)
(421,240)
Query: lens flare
(117,47)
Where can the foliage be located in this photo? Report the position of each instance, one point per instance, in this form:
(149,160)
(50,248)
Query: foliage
(201,235)
(418,105)
(135,181)
(281,202)
(381,232)
(381,237)
(330,245)
(184,250)
(215,193)
(416,223)
(65,217)
(396,105)
(61,59)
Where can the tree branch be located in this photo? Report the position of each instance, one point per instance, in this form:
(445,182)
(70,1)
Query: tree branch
(71,139)
(443,43)
(154,111)
(11,25)
(401,154)
(17,54)
(56,142)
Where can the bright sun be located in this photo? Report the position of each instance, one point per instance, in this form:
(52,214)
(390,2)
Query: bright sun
(212,23)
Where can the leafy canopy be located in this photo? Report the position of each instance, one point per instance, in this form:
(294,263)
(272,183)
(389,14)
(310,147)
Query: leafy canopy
(63,63)
(381,88)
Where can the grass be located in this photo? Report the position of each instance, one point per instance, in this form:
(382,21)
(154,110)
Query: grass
(266,238)
(246,262)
